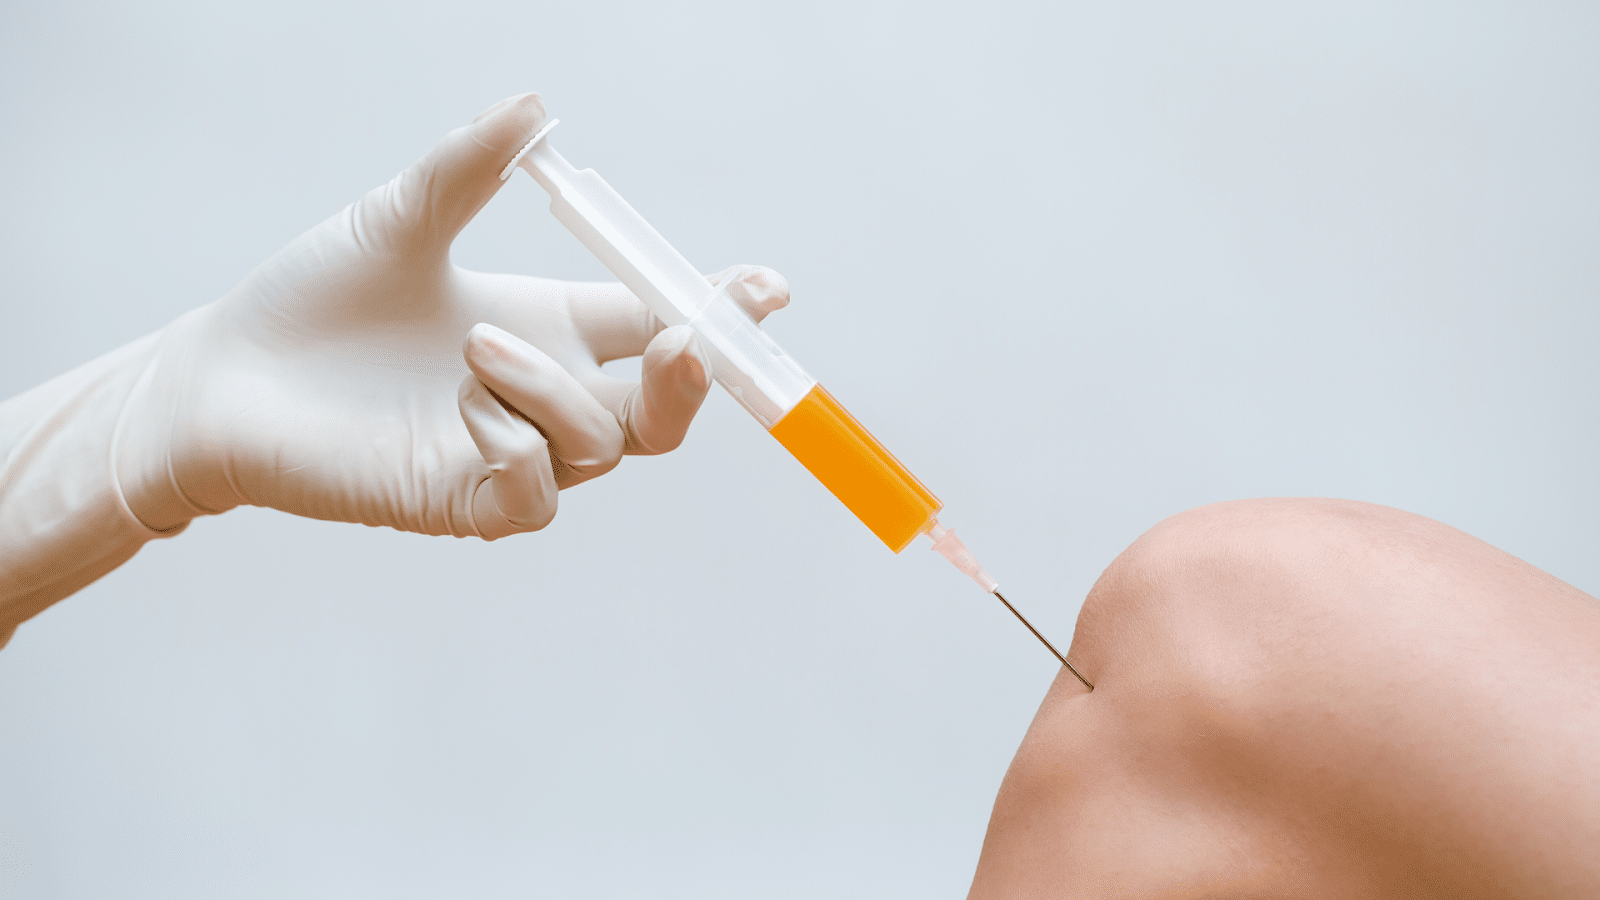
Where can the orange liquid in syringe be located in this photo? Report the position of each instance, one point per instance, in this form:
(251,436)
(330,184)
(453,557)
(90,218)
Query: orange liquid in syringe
(857,469)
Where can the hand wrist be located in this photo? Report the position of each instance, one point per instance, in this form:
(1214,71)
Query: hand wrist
(64,522)
(143,450)
(144,482)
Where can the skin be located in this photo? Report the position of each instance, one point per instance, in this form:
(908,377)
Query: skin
(1312,698)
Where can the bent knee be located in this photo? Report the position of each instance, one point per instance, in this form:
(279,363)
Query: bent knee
(1213,588)
(1280,695)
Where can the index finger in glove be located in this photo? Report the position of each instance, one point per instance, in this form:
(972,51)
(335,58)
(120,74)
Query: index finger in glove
(520,492)
(585,439)
(616,325)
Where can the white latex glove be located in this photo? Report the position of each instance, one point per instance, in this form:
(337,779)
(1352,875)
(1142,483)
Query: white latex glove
(358,376)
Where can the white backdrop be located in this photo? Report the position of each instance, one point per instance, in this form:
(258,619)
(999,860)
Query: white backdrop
(1101,263)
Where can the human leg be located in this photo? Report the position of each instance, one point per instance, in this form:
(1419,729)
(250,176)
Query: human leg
(1312,697)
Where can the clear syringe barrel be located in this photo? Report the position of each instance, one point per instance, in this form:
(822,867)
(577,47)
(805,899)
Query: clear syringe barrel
(765,380)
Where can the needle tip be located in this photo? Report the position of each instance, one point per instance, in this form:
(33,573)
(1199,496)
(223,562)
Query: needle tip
(1070,667)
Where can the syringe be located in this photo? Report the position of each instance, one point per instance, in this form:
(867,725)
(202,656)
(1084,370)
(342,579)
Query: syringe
(789,403)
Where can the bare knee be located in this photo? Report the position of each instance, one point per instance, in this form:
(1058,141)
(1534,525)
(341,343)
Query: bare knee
(1216,590)
(1281,705)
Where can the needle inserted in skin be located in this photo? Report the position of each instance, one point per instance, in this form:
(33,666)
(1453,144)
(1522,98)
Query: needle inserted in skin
(1042,639)
(946,544)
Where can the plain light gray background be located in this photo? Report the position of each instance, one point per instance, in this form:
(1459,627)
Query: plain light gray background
(1101,263)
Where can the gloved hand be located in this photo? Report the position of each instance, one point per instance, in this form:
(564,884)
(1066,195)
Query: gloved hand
(357,375)
(326,384)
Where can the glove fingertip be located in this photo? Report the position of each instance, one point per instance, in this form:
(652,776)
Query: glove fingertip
(502,104)
(510,123)
(677,357)
(489,351)
(760,291)
(769,290)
